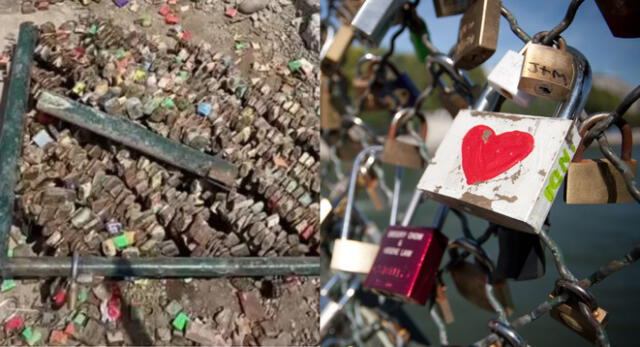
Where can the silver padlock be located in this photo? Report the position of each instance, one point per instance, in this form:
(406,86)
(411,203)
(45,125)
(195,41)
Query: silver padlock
(505,77)
(507,168)
(375,17)
(351,255)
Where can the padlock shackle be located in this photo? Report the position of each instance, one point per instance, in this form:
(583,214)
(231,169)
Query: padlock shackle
(368,57)
(488,100)
(395,199)
(623,126)
(351,193)
(400,116)
(573,106)
(474,248)
(577,292)
(459,76)
(507,333)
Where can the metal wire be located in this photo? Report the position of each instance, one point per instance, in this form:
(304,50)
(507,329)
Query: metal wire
(513,24)
(564,24)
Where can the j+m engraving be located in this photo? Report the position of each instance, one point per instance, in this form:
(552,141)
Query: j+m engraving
(543,70)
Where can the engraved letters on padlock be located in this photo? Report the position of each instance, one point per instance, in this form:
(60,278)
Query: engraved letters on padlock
(407,263)
(547,72)
(478,34)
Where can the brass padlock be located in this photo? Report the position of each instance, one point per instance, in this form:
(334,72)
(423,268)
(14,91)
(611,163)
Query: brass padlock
(471,278)
(478,34)
(547,72)
(337,49)
(573,313)
(597,181)
(329,117)
(446,8)
(398,150)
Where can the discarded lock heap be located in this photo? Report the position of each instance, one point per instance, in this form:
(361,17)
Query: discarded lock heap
(474,159)
(81,192)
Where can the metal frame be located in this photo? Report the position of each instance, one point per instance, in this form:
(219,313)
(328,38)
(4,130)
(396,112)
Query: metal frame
(155,267)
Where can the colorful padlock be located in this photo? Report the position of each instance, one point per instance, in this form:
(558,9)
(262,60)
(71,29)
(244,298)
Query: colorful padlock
(507,168)
(407,264)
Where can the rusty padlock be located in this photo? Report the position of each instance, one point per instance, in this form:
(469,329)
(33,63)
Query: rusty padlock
(547,72)
(399,149)
(574,313)
(597,181)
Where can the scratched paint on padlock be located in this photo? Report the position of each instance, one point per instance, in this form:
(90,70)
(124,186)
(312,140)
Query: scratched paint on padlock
(515,197)
(486,154)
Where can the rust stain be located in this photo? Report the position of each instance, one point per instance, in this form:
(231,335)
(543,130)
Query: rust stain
(507,198)
(477,200)
(496,188)
(512,117)
(542,173)
(437,189)
(515,176)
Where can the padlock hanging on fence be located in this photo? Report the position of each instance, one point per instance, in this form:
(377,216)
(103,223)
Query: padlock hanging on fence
(476,281)
(351,255)
(408,260)
(597,181)
(507,168)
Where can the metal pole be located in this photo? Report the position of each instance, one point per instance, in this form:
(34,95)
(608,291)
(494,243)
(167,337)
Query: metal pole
(11,133)
(137,137)
(162,267)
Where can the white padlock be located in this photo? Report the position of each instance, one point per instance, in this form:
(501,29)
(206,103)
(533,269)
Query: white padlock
(506,75)
(352,255)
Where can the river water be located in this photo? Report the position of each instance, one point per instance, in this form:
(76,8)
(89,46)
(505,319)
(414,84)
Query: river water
(589,236)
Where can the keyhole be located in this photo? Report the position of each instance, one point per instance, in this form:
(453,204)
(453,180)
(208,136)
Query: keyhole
(543,90)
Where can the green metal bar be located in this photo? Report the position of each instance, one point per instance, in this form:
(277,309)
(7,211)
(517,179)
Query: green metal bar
(12,123)
(162,267)
(137,137)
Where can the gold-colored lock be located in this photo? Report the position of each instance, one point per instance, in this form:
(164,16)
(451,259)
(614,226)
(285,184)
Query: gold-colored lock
(478,34)
(442,301)
(329,116)
(336,52)
(446,8)
(547,72)
(398,150)
(573,313)
(598,181)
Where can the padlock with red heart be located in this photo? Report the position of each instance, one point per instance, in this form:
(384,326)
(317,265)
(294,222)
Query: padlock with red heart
(507,168)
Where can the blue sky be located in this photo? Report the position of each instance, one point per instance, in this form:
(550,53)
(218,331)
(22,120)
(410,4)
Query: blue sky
(589,33)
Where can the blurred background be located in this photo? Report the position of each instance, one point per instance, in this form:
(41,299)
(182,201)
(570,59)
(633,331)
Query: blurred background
(589,235)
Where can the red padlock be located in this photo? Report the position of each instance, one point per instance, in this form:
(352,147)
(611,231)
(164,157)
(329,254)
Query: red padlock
(408,260)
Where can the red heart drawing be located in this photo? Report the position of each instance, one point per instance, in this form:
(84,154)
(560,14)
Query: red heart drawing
(485,155)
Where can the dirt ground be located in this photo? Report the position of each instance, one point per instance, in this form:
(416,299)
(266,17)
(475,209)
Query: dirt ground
(239,311)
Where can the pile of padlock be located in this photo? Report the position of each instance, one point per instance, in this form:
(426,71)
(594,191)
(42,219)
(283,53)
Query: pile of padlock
(505,168)
(189,93)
